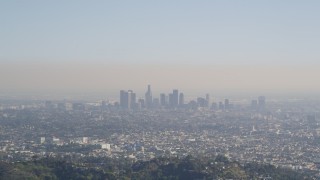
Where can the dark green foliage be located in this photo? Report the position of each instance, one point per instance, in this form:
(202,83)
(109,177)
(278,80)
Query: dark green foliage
(165,168)
(273,172)
(159,168)
(50,169)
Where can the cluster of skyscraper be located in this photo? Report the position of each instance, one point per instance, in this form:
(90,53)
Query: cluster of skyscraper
(176,100)
(259,104)
(127,99)
(173,100)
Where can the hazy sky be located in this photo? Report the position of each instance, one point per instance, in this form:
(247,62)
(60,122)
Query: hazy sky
(96,46)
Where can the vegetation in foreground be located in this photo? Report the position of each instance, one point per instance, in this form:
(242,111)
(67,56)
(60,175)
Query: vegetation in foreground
(159,168)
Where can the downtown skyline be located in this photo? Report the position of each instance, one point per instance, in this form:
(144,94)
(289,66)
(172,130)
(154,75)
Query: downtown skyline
(209,89)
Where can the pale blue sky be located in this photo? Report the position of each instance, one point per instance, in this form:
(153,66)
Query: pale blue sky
(210,46)
(218,32)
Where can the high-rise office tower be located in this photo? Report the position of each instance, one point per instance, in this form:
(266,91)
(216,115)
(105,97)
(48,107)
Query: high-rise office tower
(131,99)
(175,96)
(181,99)
(226,104)
(123,99)
(127,99)
(254,104)
(171,103)
(261,101)
(163,99)
(221,106)
(141,103)
(201,102)
(156,103)
(208,100)
(133,103)
(148,97)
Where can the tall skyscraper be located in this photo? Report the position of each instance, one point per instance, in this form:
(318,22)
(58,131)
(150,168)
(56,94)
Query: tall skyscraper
(148,97)
(163,99)
(123,99)
(254,104)
(127,99)
(208,100)
(181,99)
(131,99)
(171,103)
(156,103)
(141,103)
(175,96)
(221,106)
(262,102)
(226,104)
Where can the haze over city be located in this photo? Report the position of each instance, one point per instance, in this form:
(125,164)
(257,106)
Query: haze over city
(208,46)
(176,90)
